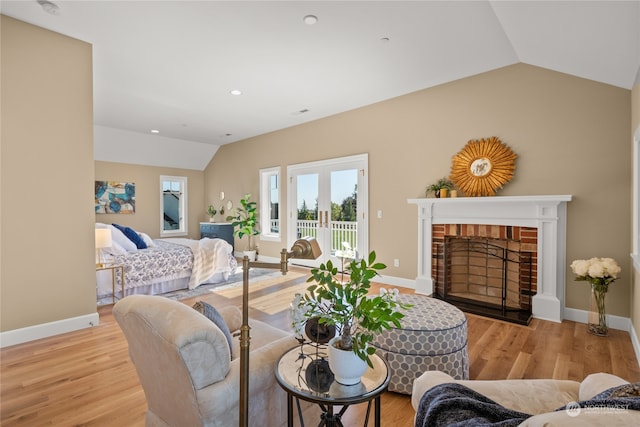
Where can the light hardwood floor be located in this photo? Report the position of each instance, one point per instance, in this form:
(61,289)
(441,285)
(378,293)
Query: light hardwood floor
(85,378)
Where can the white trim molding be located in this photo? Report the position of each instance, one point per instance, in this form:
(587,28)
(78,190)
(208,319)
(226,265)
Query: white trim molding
(546,213)
(634,340)
(45,330)
(613,322)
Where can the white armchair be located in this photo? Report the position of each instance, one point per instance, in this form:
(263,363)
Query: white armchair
(185,366)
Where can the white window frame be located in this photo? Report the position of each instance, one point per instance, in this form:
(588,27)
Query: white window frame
(265,204)
(183,214)
(635,255)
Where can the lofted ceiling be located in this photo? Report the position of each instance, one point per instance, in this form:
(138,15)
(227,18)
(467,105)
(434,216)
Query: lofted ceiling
(170,65)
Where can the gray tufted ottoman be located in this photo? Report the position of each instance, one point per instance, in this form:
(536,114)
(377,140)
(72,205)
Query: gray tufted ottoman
(433,337)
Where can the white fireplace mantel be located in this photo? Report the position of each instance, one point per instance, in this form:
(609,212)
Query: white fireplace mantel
(546,213)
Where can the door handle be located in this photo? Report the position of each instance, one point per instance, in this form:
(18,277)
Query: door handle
(319,219)
(326,219)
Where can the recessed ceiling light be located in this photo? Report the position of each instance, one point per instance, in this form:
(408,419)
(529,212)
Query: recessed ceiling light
(50,8)
(155,131)
(300,112)
(384,39)
(310,19)
(235,92)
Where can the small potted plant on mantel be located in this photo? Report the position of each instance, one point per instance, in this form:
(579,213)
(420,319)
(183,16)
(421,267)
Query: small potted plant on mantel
(356,315)
(441,187)
(245,223)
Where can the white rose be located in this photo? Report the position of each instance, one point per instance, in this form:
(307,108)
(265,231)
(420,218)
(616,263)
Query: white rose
(611,267)
(596,270)
(580,267)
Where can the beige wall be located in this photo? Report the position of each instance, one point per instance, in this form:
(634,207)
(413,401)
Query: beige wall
(147,179)
(47,262)
(571,136)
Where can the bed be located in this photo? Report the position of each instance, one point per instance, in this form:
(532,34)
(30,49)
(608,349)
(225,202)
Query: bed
(162,265)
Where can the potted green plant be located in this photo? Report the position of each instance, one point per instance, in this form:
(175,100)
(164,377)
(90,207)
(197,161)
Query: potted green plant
(211,211)
(245,223)
(356,315)
(442,184)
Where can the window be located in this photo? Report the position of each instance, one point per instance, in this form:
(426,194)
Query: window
(270,204)
(173,206)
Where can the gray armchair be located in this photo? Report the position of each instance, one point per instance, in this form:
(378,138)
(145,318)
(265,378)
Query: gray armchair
(185,366)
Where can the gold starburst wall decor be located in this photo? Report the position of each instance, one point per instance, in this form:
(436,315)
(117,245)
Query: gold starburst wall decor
(482,167)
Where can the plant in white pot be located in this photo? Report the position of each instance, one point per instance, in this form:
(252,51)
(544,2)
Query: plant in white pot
(357,315)
(245,223)
(211,211)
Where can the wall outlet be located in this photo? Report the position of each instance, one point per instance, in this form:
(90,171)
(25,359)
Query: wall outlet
(396,262)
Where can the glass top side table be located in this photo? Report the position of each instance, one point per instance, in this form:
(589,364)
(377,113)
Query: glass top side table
(303,372)
(113,268)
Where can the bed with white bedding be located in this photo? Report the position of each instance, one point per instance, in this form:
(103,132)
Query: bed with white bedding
(164,265)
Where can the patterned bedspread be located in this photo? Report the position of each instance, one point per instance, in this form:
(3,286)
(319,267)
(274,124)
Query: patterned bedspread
(168,265)
(155,264)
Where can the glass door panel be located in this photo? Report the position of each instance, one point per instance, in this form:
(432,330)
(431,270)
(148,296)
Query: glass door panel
(306,212)
(344,215)
(327,200)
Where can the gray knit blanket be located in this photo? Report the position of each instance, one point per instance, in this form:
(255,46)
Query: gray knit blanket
(454,405)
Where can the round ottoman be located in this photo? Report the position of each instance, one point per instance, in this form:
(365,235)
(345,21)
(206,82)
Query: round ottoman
(433,338)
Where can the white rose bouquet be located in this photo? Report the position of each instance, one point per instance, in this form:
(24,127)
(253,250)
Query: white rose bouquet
(600,272)
(597,271)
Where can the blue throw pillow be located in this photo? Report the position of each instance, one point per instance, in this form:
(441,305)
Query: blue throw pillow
(212,314)
(132,235)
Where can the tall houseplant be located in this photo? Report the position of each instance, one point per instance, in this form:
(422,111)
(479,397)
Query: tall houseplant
(245,220)
(348,305)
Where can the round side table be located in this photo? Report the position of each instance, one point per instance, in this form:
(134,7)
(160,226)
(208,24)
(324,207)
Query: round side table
(303,372)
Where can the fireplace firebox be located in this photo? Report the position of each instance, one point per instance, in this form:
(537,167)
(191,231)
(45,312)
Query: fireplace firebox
(486,276)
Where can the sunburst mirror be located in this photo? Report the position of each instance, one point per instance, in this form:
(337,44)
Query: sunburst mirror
(483,166)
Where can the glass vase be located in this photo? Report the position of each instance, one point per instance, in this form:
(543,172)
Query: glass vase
(597,321)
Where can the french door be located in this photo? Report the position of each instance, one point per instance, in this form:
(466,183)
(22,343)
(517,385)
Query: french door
(328,200)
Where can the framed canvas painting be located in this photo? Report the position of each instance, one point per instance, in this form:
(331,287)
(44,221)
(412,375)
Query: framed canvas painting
(115,197)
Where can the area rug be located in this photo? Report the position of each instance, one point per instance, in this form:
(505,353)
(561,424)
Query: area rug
(273,302)
(234,281)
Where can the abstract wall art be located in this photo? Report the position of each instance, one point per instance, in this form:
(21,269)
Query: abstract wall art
(114,197)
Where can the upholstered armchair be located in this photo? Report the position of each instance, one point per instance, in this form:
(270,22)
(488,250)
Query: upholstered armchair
(189,374)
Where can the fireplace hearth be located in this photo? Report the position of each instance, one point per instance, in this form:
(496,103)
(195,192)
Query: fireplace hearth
(486,276)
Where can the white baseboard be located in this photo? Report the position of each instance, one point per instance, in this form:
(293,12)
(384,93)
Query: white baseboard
(44,330)
(614,322)
(396,281)
(387,280)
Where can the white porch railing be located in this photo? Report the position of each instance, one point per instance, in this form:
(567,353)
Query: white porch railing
(341,231)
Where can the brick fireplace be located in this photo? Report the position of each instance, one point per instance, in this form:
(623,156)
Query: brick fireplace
(486,269)
(533,224)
